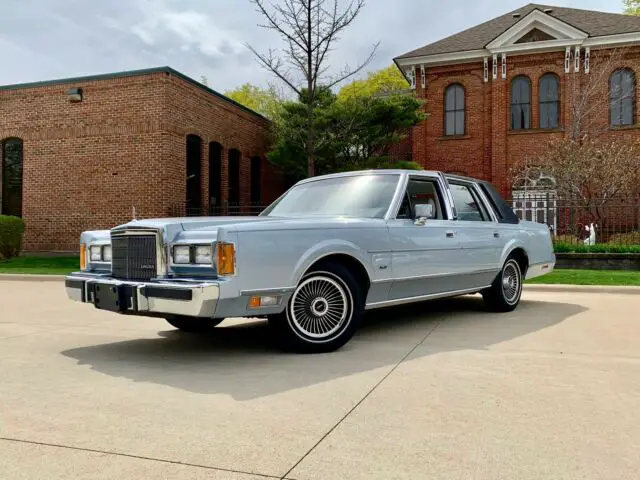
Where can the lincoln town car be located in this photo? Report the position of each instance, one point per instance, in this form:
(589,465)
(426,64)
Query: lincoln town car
(326,251)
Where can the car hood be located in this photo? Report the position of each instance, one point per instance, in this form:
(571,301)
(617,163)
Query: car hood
(205,227)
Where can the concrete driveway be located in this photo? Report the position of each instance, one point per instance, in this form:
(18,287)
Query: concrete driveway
(442,390)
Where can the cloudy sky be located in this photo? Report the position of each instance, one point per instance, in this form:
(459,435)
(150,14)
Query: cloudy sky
(48,39)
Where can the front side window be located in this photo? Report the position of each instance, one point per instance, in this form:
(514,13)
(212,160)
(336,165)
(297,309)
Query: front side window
(421,192)
(468,204)
(622,97)
(520,103)
(549,101)
(454,110)
(359,196)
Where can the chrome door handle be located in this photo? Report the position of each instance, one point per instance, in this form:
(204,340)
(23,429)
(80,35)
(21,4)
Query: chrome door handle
(451,234)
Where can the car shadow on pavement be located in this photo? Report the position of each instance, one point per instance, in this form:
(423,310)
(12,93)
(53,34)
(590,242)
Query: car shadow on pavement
(242,361)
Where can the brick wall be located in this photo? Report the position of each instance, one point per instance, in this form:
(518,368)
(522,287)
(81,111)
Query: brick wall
(489,148)
(87,164)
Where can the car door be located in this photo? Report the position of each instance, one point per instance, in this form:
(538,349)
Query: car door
(425,255)
(479,235)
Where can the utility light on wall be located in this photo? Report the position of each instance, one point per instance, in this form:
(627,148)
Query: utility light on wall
(74,94)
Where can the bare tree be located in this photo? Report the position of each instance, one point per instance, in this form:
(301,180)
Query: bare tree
(592,165)
(309,29)
(588,163)
(589,94)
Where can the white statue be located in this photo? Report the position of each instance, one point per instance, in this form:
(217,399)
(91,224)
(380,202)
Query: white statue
(591,239)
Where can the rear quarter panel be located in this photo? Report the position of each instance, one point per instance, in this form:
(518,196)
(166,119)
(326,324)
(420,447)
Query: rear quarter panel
(533,238)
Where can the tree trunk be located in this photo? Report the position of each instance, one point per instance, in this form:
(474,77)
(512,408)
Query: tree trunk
(311,159)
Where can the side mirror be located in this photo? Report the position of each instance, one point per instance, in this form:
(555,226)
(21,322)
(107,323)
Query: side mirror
(422,213)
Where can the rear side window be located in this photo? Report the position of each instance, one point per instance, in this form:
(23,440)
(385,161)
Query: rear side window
(469,206)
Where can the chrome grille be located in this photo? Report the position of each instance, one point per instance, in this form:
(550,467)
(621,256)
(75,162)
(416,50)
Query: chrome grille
(134,256)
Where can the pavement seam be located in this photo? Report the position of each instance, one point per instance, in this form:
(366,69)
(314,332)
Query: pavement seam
(138,457)
(366,395)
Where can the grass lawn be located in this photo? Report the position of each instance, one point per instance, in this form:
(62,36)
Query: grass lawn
(588,277)
(40,265)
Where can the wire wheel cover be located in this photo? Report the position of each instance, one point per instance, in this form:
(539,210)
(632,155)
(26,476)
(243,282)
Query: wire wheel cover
(511,282)
(320,307)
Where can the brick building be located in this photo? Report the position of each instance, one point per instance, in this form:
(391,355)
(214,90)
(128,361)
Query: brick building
(81,153)
(497,93)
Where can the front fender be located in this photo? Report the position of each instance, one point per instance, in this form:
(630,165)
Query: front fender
(326,248)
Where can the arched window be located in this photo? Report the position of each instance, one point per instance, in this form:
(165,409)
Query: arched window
(549,101)
(520,103)
(215,177)
(454,110)
(622,94)
(194,176)
(12,166)
(233,187)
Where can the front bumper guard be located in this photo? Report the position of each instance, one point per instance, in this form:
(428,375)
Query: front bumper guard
(192,298)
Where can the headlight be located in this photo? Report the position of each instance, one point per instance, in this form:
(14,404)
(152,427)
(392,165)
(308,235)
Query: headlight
(95,253)
(182,254)
(106,253)
(204,254)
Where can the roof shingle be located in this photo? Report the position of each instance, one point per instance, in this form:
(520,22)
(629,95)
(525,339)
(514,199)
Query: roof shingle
(592,22)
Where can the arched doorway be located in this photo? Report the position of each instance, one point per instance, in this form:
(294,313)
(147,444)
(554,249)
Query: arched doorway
(12,168)
(234,181)
(194,176)
(215,178)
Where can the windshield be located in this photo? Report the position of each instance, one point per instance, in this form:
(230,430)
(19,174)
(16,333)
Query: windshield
(363,196)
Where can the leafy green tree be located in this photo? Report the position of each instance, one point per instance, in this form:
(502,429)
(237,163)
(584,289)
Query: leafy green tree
(386,80)
(352,134)
(265,101)
(290,149)
(632,7)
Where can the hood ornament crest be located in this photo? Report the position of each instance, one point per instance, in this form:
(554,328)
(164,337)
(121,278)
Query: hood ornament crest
(134,213)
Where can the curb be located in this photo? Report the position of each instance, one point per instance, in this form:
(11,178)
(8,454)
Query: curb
(557,288)
(25,277)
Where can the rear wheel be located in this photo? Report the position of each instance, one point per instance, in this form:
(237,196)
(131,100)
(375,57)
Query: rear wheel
(193,324)
(323,313)
(506,290)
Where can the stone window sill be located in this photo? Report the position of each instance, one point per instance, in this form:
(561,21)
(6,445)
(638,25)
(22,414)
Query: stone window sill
(624,127)
(453,137)
(535,130)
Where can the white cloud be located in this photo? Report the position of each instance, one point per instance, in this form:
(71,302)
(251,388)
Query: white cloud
(190,28)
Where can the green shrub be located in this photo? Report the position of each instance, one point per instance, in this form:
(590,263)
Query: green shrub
(11,233)
(631,238)
(597,248)
(568,239)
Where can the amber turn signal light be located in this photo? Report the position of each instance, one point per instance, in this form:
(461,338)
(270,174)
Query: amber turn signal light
(226,258)
(83,256)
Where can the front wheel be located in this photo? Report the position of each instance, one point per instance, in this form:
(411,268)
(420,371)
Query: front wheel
(506,290)
(323,313)
(193,324)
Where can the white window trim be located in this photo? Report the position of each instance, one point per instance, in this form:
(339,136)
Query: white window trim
(542,21)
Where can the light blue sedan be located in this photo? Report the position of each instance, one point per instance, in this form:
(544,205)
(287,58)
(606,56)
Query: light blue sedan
(327,250)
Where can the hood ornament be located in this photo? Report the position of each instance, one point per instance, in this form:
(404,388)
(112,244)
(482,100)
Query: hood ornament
(134,213)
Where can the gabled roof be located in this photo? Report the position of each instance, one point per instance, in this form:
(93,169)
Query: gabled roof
(593,23)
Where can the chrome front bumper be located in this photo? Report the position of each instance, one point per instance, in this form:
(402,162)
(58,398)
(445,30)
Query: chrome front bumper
(191,298)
